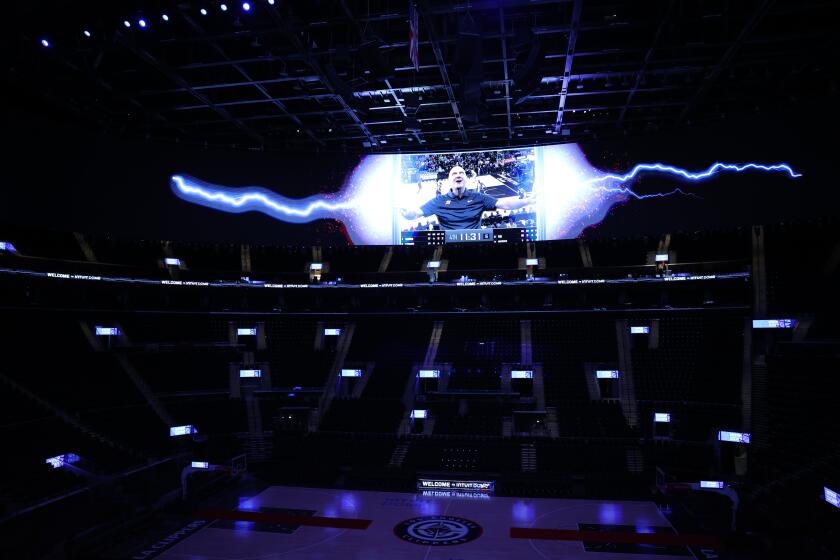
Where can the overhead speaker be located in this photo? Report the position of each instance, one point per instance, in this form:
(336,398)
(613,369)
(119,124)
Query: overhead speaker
(469,54)
(527,71)
(372,61)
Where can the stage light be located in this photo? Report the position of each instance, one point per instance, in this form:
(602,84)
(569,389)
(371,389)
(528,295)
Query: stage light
(711,484)
(246,6)
(270,2)
(662,417)
(246,332)
(351,373)
(316,266)
(203,12)
(250,373)
(522,374)
(126,23)
(223,7)
(428,374)
(45,43)
(200,465)
(107,331)
(606,374)
(141,23)
(86,33)
(639,330)
(172,261)
(332,332)
(164,17)
(418,413)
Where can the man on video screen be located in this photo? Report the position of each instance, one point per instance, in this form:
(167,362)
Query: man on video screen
(460,209)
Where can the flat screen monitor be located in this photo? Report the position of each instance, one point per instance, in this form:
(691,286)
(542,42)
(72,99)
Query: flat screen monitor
(774,323)
(185,430)
(734,437)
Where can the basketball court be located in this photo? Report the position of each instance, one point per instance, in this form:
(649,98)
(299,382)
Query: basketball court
(292,522)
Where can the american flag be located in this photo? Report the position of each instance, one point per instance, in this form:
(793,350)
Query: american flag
(413,34)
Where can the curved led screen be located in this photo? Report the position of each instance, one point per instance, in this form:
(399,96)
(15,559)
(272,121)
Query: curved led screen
(521,194)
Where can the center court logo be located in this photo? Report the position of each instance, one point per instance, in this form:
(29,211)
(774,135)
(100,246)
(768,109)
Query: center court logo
(438,530)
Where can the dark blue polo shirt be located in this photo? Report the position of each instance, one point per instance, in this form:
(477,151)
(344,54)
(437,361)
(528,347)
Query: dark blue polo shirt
(459,213)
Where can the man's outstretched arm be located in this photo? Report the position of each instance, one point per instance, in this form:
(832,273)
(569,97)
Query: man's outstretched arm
(514,202)
(411,213)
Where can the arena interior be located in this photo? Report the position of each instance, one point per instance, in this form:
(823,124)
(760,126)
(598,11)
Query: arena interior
(642,369)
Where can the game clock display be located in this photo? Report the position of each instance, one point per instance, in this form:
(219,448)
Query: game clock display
(469,235)
(497,235)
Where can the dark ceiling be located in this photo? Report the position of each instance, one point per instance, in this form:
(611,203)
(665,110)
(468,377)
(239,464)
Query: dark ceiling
(336,74)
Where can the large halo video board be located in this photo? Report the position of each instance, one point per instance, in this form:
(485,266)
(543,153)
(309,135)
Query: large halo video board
(501,196)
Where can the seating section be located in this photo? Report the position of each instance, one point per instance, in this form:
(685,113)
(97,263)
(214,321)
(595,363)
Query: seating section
(697,359)
(621,252)
(113,400)
(801,265)
(565,346)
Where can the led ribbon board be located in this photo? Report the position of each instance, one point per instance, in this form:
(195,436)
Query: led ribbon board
(485,486)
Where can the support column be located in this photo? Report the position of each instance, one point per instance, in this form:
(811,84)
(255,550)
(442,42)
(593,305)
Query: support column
(627,389)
